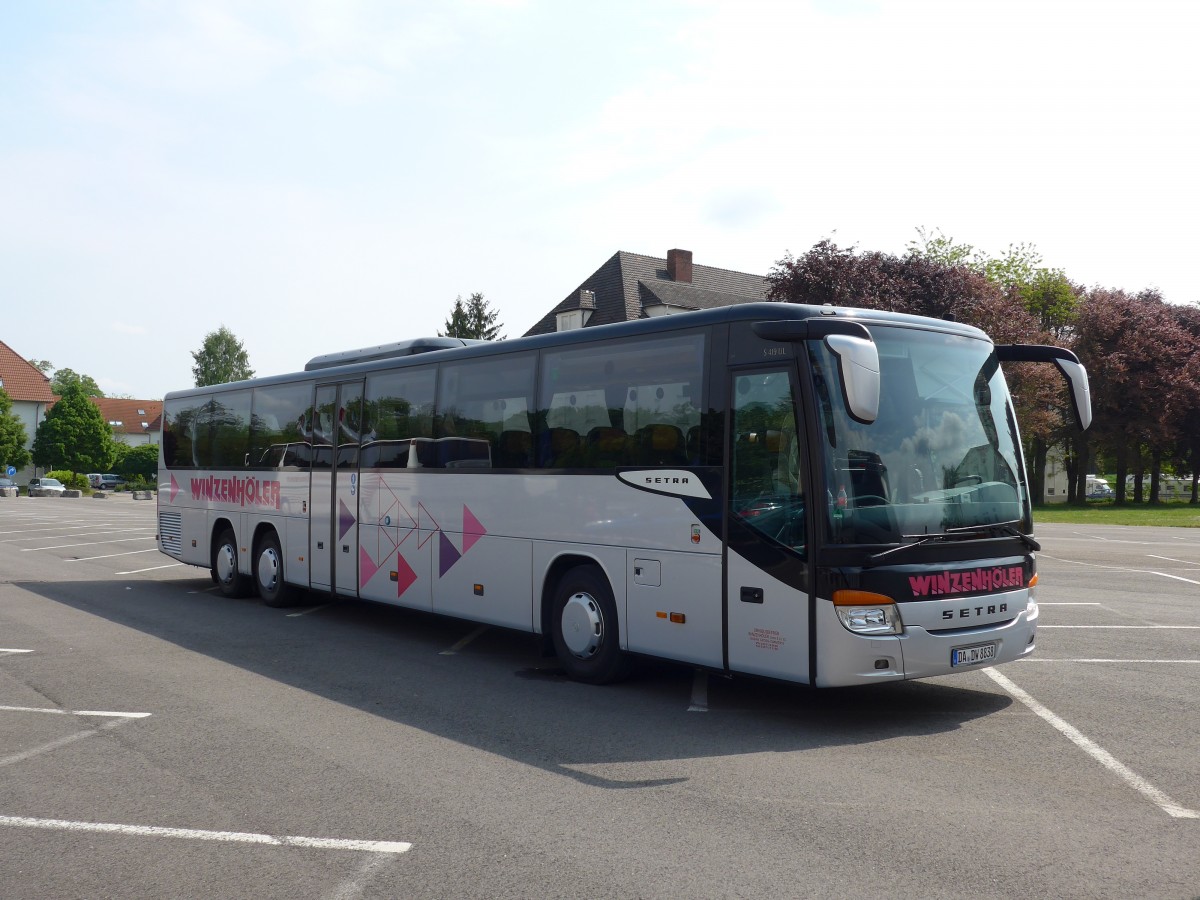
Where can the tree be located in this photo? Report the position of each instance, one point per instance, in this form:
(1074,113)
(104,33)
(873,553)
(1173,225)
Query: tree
(139,462)
(938,278)
(221,359)
(473,319)
(64,377)
(74,436)
(42,365)
(1046,293)
(12,436)
(914,284)
(1141,362)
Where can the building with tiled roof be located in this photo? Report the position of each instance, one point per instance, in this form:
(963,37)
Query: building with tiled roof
(29,390)
(631,286)
(133,422)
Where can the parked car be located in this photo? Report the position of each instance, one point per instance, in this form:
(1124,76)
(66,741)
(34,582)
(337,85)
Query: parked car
(7,482)
(111,482)
(46,486)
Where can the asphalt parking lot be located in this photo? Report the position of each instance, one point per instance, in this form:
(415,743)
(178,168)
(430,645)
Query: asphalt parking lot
(158,740)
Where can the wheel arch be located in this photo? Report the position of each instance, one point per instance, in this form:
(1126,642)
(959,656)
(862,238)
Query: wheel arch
(560,566)
(220,522)
(261,530)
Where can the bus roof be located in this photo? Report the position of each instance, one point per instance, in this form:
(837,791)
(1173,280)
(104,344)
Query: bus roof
(426,350)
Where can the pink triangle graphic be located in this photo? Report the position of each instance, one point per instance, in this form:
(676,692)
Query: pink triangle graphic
(473,530)
(174,488)
(405,576)
(447,555)
(366,567)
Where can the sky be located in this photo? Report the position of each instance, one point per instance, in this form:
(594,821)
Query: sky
(321,176)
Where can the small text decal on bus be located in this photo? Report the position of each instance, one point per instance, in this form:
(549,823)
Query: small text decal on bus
(967,582)
(677,482)
(242,491)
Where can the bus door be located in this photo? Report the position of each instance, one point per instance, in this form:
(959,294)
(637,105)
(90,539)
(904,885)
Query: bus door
(333,519)
(767,569)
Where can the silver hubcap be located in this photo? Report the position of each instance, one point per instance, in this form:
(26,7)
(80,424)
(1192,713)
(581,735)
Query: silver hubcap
(582,625)
(268,569)
(226,563)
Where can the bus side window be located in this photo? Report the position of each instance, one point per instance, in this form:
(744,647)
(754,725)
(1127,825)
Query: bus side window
(398,413)
(277,437)
(484,412)
(637,403)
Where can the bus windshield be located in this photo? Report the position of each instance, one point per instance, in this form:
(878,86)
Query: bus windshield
(944,453)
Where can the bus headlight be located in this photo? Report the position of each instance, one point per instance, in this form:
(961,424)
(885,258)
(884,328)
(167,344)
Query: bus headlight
(863,612)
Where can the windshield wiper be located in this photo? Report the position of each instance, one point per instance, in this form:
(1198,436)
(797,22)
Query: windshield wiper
(921,539)
(1006,528)
(965,532)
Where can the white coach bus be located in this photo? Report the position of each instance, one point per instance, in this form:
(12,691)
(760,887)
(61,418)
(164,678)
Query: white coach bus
(825,496)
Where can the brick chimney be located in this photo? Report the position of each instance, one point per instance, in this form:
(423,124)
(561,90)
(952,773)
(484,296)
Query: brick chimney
(679,265)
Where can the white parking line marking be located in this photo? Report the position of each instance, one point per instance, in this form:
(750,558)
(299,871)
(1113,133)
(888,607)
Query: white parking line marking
(110,555)
(63,741)
(305,612)
(69,534)
(5,651)
(1176,577)
(699,702)
(194,834)
(355,887)
(151,569)
(1095,751)
(86,544)
(1133,628)
(470,637)
(1119,568)
(1175,662)
(75,712)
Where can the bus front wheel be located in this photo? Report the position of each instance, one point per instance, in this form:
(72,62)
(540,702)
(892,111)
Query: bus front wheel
(268,574)
(225,565)
(585,629)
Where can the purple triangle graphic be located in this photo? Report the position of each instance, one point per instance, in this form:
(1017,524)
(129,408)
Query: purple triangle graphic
(345,519)
(447,556)
(473,530)
(366,567)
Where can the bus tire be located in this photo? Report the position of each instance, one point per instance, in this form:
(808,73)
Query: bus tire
(585,628)
(268,574)
(225,565)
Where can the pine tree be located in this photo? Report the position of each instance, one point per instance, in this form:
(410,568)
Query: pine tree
(473,319)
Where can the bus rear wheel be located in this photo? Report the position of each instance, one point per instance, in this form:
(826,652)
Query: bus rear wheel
(225,565)
(585,628)
(268,574)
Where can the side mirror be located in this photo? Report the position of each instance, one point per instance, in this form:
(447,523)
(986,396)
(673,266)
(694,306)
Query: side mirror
(858,366)
(1070,366)
(856,354)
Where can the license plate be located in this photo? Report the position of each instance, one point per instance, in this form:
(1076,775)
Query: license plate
(969,656)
